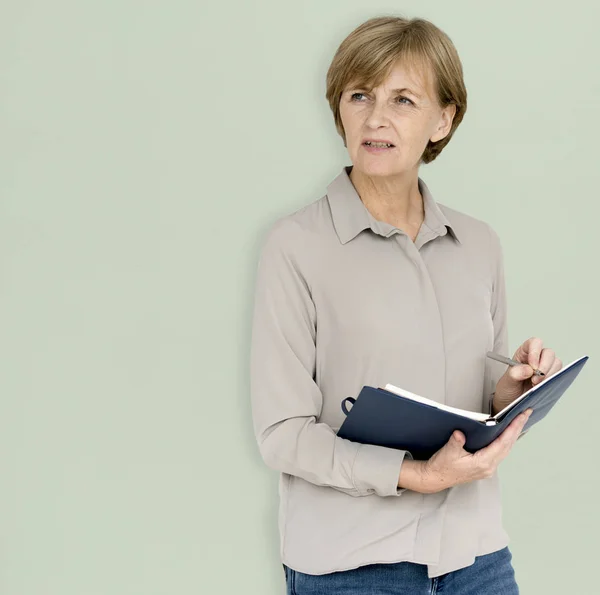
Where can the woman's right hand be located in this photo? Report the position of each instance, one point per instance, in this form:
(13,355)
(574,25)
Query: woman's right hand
(453,465)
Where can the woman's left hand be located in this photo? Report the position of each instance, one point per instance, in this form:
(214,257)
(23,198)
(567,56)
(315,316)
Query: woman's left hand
(519,379)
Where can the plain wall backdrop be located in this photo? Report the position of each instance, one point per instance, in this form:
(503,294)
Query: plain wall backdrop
(145,149)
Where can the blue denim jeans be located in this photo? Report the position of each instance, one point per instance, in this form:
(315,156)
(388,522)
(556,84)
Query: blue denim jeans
(491,574)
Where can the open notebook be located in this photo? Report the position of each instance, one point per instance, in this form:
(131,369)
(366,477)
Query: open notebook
(484,417)
(396,418)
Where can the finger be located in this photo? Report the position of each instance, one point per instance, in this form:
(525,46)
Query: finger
(504,442)
(519,425)
(529,352)
(556,366)
(457,440)
(520,373)
(547,358)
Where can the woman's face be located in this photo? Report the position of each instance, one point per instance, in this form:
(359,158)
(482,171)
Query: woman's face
(402,111)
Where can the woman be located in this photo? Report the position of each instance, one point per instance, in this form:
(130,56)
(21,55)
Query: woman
(376,282)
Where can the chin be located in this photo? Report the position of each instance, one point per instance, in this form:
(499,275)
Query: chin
(381,167)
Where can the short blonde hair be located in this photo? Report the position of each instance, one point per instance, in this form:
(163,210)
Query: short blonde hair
(368,54)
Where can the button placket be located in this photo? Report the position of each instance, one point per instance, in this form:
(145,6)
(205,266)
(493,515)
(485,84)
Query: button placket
(414,253)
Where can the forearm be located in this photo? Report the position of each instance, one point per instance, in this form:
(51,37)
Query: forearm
(312,451)
(413,476)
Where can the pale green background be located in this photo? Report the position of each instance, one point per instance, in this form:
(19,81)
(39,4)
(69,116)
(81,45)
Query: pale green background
(145,148)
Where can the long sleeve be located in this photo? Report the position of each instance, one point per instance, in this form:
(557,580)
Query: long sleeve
(286,400)
(498,310)
(499,318)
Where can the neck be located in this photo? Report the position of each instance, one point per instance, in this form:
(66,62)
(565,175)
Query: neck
(395,200)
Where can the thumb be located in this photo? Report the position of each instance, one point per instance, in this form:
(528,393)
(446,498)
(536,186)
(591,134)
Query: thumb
(458,439)
(520,373)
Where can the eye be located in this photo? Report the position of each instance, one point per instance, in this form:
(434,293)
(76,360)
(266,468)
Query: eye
(352,98)
(354,95)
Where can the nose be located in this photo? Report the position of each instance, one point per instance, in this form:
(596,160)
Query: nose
(377,114)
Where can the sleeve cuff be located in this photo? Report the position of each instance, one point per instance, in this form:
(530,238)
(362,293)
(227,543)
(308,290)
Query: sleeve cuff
(376,470)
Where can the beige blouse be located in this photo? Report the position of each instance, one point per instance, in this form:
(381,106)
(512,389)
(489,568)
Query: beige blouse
(343,300)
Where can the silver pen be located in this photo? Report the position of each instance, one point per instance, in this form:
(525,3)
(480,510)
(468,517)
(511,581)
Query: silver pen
(510,362)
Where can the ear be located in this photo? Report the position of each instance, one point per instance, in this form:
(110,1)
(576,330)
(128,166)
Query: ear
(445,123)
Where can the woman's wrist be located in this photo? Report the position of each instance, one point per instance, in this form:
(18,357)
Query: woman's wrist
(498,405)
(412,476)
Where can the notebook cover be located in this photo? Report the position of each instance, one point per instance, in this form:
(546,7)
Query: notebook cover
(383,418)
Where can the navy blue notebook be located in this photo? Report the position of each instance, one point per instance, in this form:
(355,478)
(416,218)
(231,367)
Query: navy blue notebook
(384,418)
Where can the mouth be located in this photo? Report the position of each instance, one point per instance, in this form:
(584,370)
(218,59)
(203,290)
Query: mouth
(378,147)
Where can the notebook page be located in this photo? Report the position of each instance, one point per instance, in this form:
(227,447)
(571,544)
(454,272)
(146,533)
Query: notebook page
(537,386)
(464,412)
